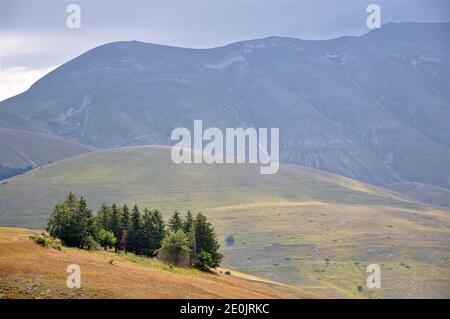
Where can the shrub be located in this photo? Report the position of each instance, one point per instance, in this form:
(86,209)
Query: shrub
(204,261)
(56,244)
(229,240)
(45,240)
(175,247)
(41,241)
(106,238)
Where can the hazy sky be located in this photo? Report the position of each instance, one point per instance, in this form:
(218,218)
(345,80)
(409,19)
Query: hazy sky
(34,37)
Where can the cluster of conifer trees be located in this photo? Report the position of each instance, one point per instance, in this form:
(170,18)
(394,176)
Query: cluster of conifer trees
(132,231)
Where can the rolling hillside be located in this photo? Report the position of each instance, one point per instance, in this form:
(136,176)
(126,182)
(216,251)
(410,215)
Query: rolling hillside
(21,149)
(300,226)
(425,193)
(374,108)
(146,175)
(126,276)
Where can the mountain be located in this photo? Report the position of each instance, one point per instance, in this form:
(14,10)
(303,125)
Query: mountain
(103,275)
(374,108)
(301,226)
(22,150)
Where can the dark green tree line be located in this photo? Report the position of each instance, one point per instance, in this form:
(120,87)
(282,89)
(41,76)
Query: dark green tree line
(143,234)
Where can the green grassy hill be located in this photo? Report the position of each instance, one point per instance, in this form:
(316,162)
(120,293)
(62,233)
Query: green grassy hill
(21,149)
(301,226)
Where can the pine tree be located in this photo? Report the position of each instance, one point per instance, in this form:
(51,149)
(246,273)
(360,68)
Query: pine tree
(159,227)
(58,222)
(192,247)
(71,202)
(124,224)
(86,213)
(175,222)
(114,225)
(103,218)
(135,238)
(153,230)
(188,228)
(147,233)
(206,241)
(72,237)
(188,223)
(72,222)
(125,217)
(85,223)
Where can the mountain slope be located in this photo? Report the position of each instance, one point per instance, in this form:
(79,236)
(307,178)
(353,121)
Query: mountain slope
(374,108)
(146,175)
(126,277)
(24,148)
(302,227)
(430,194)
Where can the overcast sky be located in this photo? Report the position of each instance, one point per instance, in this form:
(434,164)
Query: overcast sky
(34,37)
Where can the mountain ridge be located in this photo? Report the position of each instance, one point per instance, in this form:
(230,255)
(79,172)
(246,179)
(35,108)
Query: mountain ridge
(21,149)
(372,108)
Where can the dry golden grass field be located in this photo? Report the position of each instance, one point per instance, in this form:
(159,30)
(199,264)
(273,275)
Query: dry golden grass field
(29,270)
